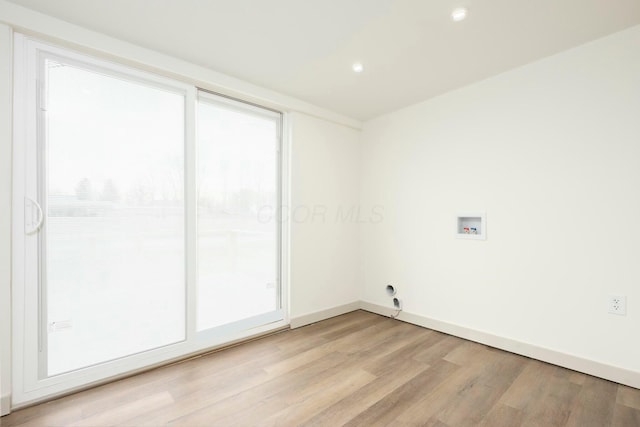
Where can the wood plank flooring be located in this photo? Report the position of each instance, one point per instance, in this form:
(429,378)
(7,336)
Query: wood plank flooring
(359,369)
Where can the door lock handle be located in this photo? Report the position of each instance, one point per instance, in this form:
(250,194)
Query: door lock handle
(38,225)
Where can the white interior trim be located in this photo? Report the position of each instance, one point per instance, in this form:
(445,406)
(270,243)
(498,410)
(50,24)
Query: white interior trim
(285,225)
(317,316)
(5,403)
(570,361)
(6,66)
(79,38)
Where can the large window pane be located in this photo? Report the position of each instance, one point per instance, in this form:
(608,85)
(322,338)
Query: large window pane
(115,251)
(237,197)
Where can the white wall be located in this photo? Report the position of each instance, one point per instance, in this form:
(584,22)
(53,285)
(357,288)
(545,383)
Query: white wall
(5,216)
(325,174)
(551,151)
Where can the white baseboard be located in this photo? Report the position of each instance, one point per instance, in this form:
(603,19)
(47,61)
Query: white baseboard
(576,363)
(5,404)
(317,316)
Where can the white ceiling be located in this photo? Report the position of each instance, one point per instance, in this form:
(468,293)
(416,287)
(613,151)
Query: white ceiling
(411,49)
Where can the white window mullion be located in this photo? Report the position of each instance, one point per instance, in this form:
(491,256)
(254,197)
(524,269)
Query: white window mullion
(40,171)
(191,211)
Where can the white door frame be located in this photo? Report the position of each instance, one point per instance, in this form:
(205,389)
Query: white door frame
(6,68)
(27,387)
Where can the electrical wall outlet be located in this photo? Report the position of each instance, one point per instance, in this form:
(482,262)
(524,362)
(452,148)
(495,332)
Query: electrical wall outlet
(397,304)
(618,304)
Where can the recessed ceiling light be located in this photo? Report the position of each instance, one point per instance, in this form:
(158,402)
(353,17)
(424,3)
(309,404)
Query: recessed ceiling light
(459,14)
(358,67)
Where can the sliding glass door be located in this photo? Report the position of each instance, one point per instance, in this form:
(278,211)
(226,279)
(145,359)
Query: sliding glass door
(139,236)
(112,192)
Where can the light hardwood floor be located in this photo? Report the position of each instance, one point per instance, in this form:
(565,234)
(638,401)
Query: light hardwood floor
(359,369)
